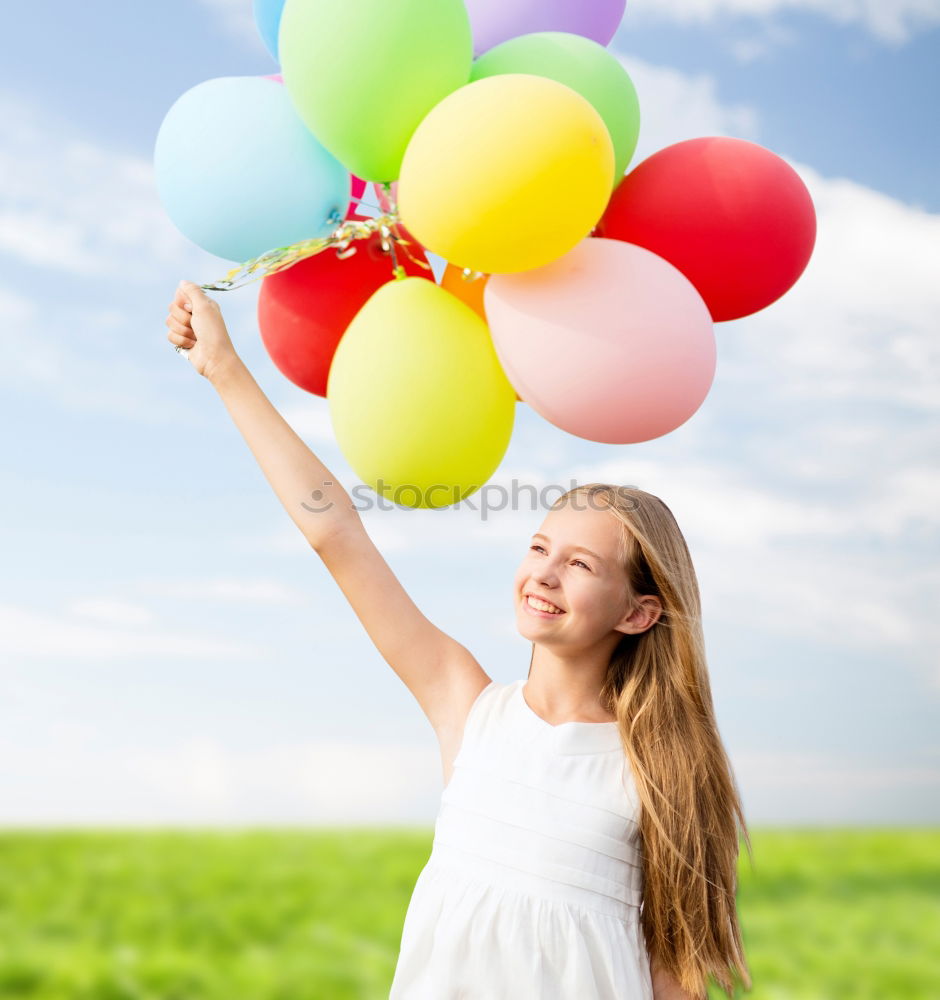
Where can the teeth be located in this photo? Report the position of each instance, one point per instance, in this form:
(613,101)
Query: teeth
(543,605)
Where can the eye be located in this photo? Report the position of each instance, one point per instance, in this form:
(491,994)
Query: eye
(577,562)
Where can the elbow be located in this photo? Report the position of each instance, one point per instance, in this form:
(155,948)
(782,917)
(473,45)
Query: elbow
(328,531)
(327,515)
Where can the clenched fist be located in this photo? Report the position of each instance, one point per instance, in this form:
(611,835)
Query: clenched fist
(195,322)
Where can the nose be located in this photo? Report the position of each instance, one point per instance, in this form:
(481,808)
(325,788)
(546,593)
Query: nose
(545,574)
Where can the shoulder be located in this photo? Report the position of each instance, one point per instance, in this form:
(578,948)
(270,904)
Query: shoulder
(491,697)
(491,706)
(487,704)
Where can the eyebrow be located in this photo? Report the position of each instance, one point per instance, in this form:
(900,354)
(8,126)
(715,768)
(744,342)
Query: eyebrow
(576,548)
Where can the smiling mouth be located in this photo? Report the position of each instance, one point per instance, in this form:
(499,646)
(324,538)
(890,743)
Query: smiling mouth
(546,607)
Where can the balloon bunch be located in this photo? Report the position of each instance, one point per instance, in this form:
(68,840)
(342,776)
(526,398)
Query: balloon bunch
(496,135)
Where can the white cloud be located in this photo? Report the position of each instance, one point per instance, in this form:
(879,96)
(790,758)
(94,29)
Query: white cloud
(861,322)
(674,106)
(74,206)
(798,567)
(310,419)
(725,506)
(893,21)
(802,770)
(75,358)
(203,780)
(111,612)
(236,18)
(15,309)
(229,590)
(801,786)
(26,632)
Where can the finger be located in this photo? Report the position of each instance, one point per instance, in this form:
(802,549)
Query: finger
(180,340)
(180,328)
(181,299)
(180,314)
(189,294)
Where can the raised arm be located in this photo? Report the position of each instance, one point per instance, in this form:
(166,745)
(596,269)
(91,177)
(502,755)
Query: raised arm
(310,493)
(442,674)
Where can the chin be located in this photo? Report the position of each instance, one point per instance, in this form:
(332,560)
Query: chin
(524,626)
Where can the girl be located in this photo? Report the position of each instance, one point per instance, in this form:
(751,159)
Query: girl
(587,841)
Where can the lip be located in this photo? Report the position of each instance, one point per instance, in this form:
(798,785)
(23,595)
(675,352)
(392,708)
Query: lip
(534,611)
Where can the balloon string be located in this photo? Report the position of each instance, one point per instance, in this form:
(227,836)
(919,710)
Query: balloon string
(368,204)
(403,244)
(342,239)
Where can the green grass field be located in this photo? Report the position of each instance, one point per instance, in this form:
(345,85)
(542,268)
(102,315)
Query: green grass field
(288,915)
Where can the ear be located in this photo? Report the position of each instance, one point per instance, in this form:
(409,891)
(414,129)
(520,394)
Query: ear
(643,616)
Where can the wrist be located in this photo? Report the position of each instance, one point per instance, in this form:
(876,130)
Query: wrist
(224,371)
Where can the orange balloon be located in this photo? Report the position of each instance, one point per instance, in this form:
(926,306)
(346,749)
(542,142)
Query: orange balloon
(470,292)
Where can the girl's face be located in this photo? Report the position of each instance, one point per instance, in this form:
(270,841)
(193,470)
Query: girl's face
(573,563)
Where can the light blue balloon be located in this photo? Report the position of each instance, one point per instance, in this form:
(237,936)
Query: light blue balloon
(239,173)
(268,20)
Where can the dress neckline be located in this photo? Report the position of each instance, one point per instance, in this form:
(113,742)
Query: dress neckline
(555,725)
(568,737)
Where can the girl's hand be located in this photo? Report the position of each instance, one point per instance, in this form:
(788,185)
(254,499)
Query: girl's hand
(195,322)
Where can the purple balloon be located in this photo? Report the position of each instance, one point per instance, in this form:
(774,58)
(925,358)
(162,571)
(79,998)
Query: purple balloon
(495,21)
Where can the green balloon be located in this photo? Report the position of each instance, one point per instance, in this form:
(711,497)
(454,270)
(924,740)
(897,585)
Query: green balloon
(362,74)
(584,66)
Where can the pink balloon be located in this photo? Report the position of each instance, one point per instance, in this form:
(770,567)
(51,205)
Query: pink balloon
(383,198)
(357,189)
(275,76)
(609,342)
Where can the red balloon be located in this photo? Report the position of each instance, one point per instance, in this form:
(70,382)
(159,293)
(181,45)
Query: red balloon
(735,218)
(304,310)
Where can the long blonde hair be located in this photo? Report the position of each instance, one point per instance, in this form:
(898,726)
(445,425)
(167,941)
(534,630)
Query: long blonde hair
(657,686)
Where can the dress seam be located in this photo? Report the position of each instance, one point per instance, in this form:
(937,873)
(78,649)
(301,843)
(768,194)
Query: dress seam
(541,833)
(445,867)
(563,798)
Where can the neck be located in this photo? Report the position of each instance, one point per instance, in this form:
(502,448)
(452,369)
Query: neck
(563,688)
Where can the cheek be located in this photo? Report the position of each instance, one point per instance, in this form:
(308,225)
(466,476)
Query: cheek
(589,600)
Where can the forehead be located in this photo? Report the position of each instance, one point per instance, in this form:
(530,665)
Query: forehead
(584,523)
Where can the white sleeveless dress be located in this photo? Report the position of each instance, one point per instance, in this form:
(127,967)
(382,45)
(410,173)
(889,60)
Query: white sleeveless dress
(533,886)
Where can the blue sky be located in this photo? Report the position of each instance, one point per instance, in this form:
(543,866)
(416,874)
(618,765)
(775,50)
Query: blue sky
(171,652)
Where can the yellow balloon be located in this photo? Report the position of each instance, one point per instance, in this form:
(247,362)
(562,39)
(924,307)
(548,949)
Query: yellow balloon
(419,402)
(467,291)
(506,174)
